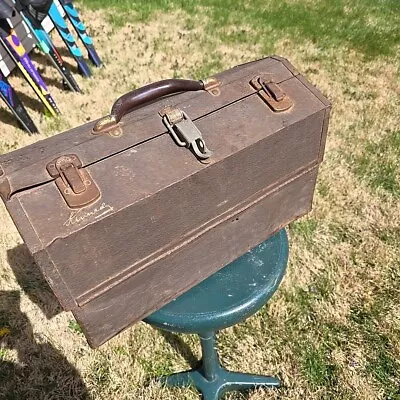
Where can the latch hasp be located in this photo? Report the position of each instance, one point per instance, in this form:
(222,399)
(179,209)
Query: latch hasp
(271,93)
(74,183)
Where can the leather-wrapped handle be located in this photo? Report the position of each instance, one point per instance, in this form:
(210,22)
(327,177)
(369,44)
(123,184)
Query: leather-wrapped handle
(139,97)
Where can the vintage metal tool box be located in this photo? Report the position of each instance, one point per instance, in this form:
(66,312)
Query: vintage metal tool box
(125,213)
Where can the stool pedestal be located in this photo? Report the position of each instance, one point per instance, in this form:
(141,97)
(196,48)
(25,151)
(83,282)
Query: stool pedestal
(226,298)
(211,379)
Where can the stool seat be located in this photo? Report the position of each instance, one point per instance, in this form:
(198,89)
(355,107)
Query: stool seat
(230,295)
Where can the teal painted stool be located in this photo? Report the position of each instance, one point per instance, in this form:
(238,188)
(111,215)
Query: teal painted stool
(226,298)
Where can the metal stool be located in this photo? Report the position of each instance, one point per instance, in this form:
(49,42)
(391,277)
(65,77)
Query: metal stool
(226,298)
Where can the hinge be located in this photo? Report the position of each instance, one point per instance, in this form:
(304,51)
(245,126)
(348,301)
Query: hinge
(271,93)
(184,132)
(75,184)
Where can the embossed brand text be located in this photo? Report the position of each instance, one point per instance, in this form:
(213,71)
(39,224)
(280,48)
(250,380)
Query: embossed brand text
(81,215)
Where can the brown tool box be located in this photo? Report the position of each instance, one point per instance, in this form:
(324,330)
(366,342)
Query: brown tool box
(125,213)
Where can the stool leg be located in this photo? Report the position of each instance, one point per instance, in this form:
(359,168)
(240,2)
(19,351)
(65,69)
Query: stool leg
(211,379)
(205,378)
(210,361)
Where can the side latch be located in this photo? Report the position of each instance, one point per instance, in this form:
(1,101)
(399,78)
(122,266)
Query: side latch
(271,93)
(184,132)
(75,184)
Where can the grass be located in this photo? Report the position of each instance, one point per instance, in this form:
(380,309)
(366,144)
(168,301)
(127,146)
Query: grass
(382,361)
(74,326)
(377,168)
(368,26)
(316,366)
(332,331)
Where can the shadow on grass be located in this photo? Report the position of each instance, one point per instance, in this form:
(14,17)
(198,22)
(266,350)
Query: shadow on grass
(41,372)
(181,347)
(30,101)
(32,282)
(44,60)
(8,118)
(72,66)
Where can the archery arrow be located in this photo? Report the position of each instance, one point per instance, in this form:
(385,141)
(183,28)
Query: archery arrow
(7,93)
(69,40)
(73,16)
(46,45)
(18,54)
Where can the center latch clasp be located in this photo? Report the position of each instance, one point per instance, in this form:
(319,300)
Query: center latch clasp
(184,132)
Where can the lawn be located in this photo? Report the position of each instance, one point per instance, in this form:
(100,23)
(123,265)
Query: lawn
(332,331)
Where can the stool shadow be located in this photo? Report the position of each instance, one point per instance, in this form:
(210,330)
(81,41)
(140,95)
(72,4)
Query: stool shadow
(181,347)
(41,372)
(32,282)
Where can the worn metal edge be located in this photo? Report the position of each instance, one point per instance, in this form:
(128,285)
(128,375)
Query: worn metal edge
(285,62)
(40,255)
(316,92)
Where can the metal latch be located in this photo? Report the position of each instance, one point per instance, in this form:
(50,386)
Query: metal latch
(271,92)
(184,131)
(75,184)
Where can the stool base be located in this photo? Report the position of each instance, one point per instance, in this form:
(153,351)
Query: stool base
(225,381)
(211,379)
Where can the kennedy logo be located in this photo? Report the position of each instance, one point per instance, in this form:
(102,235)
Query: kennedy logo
(83,215)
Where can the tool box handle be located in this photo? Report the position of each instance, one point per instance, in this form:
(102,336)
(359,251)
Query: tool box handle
(138,97)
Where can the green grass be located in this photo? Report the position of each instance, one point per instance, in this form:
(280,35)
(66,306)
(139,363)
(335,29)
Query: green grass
(382,363)
(316,365)
(379,164)
(162,366)
(100,372)
(3,354)
(390,236)
(74,326)
(305,229)
(368,26)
